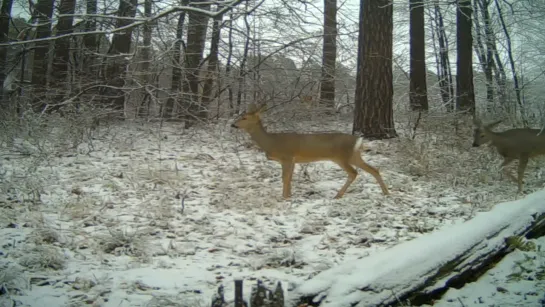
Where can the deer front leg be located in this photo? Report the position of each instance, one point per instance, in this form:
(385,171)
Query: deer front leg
(287,174)
(523,161)
(507,161)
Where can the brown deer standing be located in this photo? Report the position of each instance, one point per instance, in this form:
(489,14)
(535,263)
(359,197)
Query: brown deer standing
(514,144)
(291,148)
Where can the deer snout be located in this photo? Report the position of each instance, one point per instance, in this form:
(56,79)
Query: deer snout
(234,125)
(475,145)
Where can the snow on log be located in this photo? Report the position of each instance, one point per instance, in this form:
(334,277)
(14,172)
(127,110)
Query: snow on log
(422,269)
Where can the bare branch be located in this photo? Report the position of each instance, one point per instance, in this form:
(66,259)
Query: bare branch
(228,6)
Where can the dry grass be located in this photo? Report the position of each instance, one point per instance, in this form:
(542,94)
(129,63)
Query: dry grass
(41,257)
(12,278)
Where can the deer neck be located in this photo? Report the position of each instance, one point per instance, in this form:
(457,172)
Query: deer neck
(492,136)
(262,138)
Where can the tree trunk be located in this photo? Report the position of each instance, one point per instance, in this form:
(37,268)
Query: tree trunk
(373,115)
(143,109)
(213,66)
(176,66)
(242,72)
(418,86)
(42,15)
(61,58)
(329,55)
(119,51)
(89,63)
(196,36)
(419,271)
(490,46)
(465,95)
(232,109)
(5,15)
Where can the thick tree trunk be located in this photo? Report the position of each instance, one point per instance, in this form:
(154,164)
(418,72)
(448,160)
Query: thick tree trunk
(465,95)
(373,115)
(329,55)
(418,86)
(420,271)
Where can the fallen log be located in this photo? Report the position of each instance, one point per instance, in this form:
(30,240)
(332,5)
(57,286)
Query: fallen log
(420,271)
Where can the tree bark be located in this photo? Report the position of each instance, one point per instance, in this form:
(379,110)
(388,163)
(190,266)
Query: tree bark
(89,63)
(329,55)
(143,109)
(490,46)
(61,58)
(373,114)
(242,70)
(196,36)
(418,86)
(465,95)
(445,75)
(5,16)
(42,15)
(213,67)
(119,50)
(232,108)
(176,66)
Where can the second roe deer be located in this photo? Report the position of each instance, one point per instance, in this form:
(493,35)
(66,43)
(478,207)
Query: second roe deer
(513,144)
(291,148)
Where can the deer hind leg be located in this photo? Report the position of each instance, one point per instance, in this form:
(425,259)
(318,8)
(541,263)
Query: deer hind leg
(352,174)
(506,162)
(523,161)
(287,174)
(358,161)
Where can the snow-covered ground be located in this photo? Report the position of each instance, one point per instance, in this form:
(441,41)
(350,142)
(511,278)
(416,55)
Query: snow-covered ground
(146,213)
(518,280)
(384,277)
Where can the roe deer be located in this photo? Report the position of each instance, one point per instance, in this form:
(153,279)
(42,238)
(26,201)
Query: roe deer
(513,144)
(291,148)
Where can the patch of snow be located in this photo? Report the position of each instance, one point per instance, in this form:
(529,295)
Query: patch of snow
(517,280)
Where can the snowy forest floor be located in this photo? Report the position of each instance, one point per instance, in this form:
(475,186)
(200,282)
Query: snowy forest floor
(142,213)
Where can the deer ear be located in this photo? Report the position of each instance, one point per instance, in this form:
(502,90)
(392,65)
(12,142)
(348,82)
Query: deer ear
(261,108)
(252,108)
(493,124)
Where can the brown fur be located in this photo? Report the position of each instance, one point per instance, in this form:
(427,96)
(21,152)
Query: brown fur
(514,144)
(291,148)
